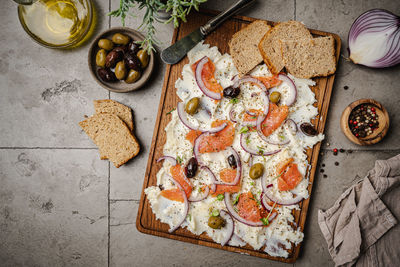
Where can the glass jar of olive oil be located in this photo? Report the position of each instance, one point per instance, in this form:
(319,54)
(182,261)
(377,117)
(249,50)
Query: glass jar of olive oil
(57,23)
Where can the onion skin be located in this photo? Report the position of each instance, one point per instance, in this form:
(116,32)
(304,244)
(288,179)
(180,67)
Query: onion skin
(374,39)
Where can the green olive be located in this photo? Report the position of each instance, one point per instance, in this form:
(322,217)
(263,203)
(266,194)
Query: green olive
(133,76)
(105,44)
(275,97)
(143,57)
(120,39)
(256,171)
(192,105)
(120,70)
(101,58)
(216,222)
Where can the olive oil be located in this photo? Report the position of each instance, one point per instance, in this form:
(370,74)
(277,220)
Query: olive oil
(57,23)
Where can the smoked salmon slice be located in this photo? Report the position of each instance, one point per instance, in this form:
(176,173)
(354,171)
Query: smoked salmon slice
(192,135)
(275,117)
(289,177)
(269,82)
(175,194)
(207,75)
(252,118)
(218,141)
(227,175)
(249,209)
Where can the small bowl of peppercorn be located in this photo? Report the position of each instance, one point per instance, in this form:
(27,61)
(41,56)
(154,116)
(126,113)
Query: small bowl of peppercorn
(117,62)
(365,122)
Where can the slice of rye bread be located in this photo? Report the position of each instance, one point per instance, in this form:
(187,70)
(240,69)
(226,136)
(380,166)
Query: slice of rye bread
(243,46)
(270,46)
(113,107)
(112,136)
(310,58)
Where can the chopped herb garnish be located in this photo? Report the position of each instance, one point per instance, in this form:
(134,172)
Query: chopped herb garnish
(258,202)
(200,190)
(236,209)
(252,183)
(247,141)
(179,159)
(244,129)
(281,136)
(264,221)
(234,101)
(215,213)
(236,199)
(189,216)
(260,150)
(169,112)
(220,197)
(278,175)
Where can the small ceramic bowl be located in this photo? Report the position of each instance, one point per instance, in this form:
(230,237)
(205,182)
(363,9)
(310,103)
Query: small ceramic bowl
(377,135)
(119,86)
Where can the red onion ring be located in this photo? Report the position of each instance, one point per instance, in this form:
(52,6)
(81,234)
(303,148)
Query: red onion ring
(264,203)
(182,116)
(238,169)
(231,115)
(229,224)
(291,125)
(200,197)
(253,151)
(292,89)
(250,79)
(234,214)
(200,83)
(170,159)
(251,113)
(196,152)
(186,205)
(213,178)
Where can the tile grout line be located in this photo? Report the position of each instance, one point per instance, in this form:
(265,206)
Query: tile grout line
(109,176)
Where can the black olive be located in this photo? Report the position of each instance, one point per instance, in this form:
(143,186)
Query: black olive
(308,129)
(232,162)
(133,62)
(112,58)
(106,75)
(133,47)
(123,49)
(191,168)
(231,92)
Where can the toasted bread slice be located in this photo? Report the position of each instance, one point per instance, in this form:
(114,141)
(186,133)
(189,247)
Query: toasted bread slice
(270,46)
(243,47)
(112,136)
(310,58)
(113,107)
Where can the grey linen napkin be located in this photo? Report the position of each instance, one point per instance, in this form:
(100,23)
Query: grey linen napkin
(355,226)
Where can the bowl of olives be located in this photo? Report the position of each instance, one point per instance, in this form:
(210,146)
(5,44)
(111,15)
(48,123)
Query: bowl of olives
(117,62)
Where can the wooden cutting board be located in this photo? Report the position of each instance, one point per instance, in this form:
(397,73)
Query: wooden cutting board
(146,221)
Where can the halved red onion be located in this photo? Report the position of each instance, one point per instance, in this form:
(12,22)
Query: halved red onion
(183,118)
(231,210)
(291,125)
(170,159)
(200,197)
(213,178)
(236,239)
(253,151)
(200,83)
(229,225)
(185,202)
(249,79)
(292,89)
(232,115)
(284,202)
(238,169)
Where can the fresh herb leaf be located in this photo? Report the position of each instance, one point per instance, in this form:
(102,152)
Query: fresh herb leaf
(236,209)
(189,216)
(264,221)
(234,101)
(220,197)
(252,183)
(278,175)
(236,199)
(260,150)
(169,112)
(247,141)
(215,213)
(179,159)
(200,190)
(244,129)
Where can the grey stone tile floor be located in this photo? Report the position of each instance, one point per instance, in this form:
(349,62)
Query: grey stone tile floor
(60,205)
